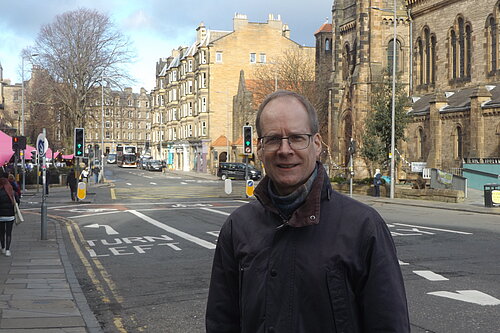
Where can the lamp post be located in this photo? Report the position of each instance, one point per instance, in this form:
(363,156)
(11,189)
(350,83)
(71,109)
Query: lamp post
(393,104)
(102,126)
(22,118)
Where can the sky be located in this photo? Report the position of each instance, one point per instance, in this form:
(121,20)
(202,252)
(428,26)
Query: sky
(155,27)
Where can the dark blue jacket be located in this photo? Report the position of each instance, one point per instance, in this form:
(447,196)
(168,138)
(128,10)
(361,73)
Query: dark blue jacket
(331,268)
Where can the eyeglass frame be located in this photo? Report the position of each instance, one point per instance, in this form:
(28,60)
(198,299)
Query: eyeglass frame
(261,139)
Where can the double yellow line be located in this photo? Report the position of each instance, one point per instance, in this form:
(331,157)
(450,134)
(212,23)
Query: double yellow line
(96,274)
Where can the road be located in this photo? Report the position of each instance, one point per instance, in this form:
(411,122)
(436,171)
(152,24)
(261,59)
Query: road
(143,253)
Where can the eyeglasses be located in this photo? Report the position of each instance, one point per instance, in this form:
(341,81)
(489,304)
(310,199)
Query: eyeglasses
(296,142)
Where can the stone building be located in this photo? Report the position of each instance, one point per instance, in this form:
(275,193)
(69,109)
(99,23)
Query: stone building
(196,85)
(447,57)
(10,105)
(126,117)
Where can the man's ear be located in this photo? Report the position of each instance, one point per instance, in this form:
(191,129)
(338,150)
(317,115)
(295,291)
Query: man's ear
(317,142)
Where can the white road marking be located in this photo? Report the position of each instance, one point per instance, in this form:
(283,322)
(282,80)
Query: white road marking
(402,263)
(213,233)
(96,214)
(470,296)
(431,276)
(152,183)
(109,230)
(148,177)
(216,211)
(437,229)
(128,184)
(174,231)
(183,183)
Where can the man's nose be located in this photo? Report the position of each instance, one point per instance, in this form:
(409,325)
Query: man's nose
(285,147)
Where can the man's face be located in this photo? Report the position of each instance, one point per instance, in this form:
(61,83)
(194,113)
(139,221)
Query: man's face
(287,168)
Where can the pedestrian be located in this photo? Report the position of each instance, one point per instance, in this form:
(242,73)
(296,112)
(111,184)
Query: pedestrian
(377,181)
(72,183)
(84,175)
(15,185)
(303,258)
(95,172)
(7,214)
(47,181)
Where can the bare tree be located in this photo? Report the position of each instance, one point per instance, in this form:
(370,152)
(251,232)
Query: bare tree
(77,50)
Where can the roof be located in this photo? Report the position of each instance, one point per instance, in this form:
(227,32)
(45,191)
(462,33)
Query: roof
(326,27)
(221,141)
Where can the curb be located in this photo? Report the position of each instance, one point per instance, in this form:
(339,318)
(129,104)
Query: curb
(88,316)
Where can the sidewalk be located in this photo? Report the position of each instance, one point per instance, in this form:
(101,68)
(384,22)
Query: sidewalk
(39,291)
(38,288)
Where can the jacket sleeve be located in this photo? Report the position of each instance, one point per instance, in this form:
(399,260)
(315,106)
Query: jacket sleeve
(223,314)
(383,302)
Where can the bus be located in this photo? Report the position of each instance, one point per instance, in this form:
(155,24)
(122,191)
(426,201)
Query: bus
(126,156)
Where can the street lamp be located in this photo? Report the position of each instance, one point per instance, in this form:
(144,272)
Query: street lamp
(22,117)
(393,107)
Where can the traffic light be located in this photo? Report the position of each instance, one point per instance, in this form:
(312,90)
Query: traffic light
(33,156)
(79,141)
(352,147)
(18,143)
(247,140)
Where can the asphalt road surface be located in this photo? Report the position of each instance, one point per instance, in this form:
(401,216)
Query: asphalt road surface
(143,255)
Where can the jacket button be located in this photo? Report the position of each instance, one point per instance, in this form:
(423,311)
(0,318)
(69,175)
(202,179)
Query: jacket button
(273,274)
(270,329)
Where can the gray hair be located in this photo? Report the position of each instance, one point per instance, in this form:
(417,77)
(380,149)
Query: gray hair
(311,112)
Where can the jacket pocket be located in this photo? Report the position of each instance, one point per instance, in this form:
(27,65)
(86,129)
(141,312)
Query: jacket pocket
(340,301)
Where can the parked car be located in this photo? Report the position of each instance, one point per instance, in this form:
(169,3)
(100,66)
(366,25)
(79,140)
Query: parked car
(143,161)
(111,159)
(237,171)
(154,165)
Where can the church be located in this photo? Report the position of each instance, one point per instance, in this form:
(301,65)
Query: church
(447,58)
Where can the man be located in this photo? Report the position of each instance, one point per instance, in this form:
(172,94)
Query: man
(303,258)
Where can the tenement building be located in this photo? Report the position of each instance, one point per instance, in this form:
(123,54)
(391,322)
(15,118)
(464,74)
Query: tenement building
(194,122)
(447,56)
(124,118)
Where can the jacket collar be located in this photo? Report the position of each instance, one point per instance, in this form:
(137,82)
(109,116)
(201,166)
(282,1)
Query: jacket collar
(309,212)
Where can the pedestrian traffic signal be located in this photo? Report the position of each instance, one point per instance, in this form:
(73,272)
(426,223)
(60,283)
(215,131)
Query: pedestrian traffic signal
(18,143)
(79,141)
(247,140)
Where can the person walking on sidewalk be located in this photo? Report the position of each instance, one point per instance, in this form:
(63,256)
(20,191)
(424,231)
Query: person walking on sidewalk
(95,172)
(72,183)
(377,181)
(7,214)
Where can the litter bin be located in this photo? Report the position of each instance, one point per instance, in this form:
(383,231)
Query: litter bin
(491,195)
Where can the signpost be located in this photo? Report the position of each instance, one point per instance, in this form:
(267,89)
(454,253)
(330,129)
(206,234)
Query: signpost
(42,144)
(249,188)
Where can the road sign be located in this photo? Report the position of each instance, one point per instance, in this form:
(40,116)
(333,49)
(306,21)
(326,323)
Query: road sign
(42,144)
(81,193)
(249,188)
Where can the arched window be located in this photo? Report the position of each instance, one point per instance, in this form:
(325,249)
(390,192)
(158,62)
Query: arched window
(492,44)
(420,143)
(346,61)
(327,45)
(461,46)
(433,59)
(347,136)
(453,54)
(420,62)
(427,39)
(390,52)
(458,142)
(468,50)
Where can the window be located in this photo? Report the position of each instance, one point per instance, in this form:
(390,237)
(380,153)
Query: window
(262,58)
(108,124)
(203,57)
(190,87)
(345,61)
(190,107)
(203,104)
(420,143)
(492,44)
(190,65)
(253,58)
(461,50)
(130,125)
(390,53)
(218,56)
(106,112)
(204,128)
(203,80)
(174,76)
(327,45)
(190,130)
(130,136)
(458,142)
(129,102)
(108,136)
(130,114)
